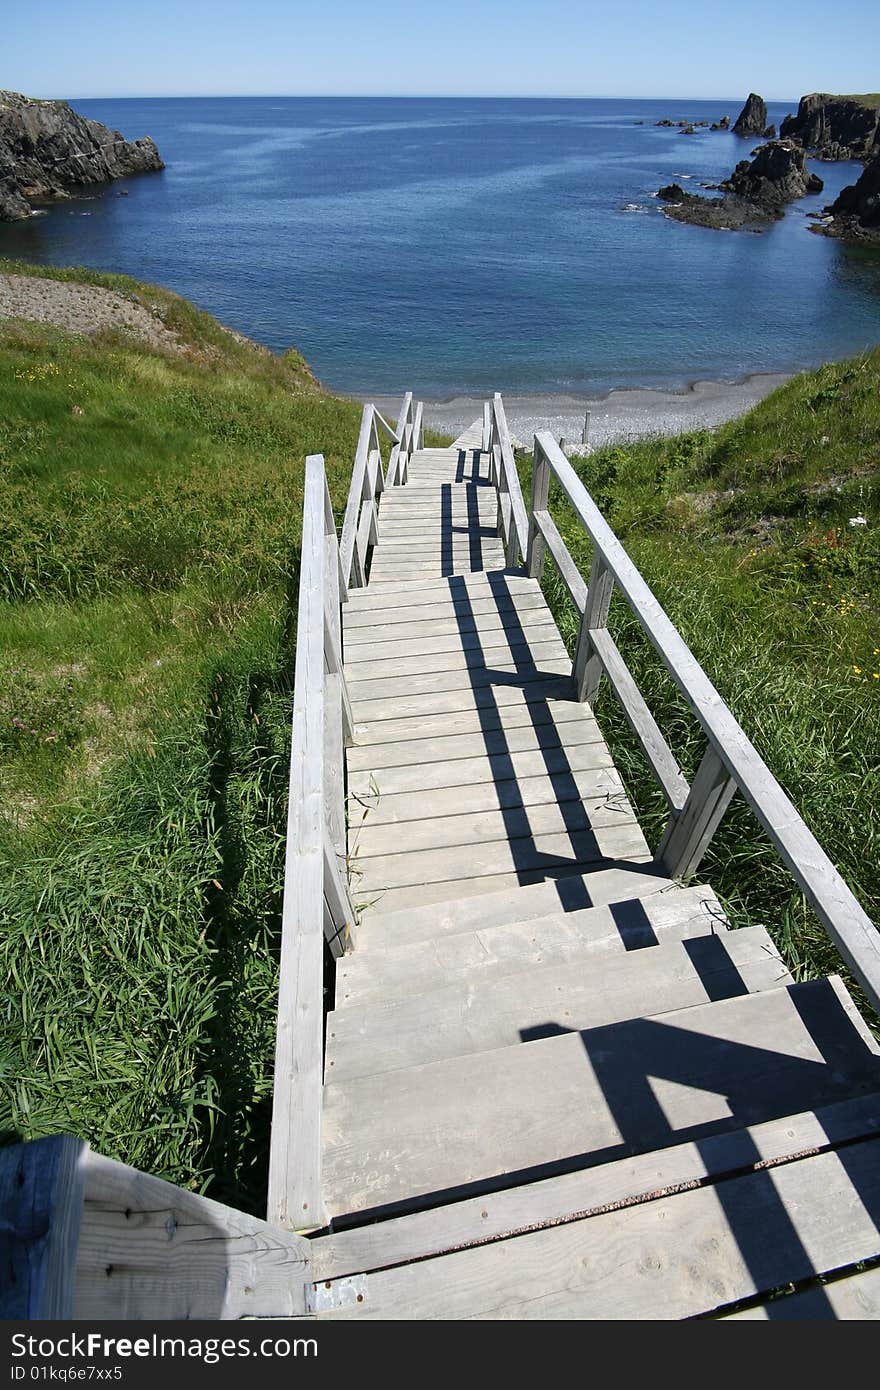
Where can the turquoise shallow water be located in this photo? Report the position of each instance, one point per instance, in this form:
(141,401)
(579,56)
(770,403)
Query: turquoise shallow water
(461,245)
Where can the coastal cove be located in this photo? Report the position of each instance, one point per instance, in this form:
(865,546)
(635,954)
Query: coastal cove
(467,245)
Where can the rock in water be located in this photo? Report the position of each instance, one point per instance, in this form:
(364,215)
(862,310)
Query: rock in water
(752,120)
(855,213)
(47,150)
(777,174)
(836,127)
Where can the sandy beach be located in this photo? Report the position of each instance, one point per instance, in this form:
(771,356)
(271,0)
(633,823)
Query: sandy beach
(614,417)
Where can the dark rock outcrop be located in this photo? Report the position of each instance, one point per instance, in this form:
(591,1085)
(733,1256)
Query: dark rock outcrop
(723,214)
(752,120)
(855,213)
(777,174)
(770,133)
(48,151)
(836,127)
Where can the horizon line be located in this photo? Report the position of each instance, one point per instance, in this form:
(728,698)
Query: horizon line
(387,96)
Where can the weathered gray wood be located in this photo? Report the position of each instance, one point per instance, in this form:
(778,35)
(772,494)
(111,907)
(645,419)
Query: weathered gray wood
(471,681)
(684,845)
(149,1250)
(834,903)
(453,590)
(509,717)
(397,964)
(568,570)
(518,537)
(531,754)
(41,1198)
(543,645)
(626,888)
(295,1145)
(577,1196)
(537,546)
(447,634)
(640,719)
(411,1136)
(600,787)
(527,689)
(340,915)
(520,854)
(464,885)
(417,427)
(433,830)
(499,1010)
(486,427)
(587,668)
(676,1257)
(458,611)
(854,1297)
(355,496)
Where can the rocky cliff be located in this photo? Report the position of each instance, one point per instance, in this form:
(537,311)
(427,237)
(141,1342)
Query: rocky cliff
(836,127)
(752,120)
(754,195)
(47,150)
(855,213)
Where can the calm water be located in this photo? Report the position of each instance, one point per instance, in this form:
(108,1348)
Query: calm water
(453,245)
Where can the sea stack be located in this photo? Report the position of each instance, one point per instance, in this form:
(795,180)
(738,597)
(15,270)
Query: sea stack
(855,213)
(752,120)
(836,127)
(49,151)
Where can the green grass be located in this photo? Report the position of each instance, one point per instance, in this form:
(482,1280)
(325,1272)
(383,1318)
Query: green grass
(744,536)
(149,533)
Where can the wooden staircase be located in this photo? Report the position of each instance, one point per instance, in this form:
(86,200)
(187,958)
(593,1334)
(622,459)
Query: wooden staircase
(556,1084)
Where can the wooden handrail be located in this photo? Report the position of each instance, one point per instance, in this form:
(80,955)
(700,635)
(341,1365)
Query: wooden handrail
(512,519)
(317,906)
(360,524)
(731,762)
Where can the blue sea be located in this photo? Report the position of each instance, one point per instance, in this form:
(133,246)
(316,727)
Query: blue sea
(464,245)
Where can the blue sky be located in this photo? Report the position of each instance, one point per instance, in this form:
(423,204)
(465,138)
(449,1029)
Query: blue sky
(696,48)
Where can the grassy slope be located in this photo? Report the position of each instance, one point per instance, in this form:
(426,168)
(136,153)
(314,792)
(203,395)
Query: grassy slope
(149,524)
(744,535)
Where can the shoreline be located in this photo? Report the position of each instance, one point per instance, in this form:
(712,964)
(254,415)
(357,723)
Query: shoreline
(618,415)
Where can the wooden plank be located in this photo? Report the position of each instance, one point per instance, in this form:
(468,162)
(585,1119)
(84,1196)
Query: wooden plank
(295,1144)
(840,913)
(640,719)
(488,680)
(597,786)
(683,847)
(149,1250)
(447,725)
(531,757)
(464,630)
(677,1257)
(577,1196)
(501,586)
(474,661)
(457,1020)
(854,1297)
(537,547)
(527,690)
(587,666)
(464,885)
(41,1198)
(627,889)
(520,854)
(568,570)
(434,830)
(355,493)
(574,1100)
(402,964)
(519,539)
(456,610)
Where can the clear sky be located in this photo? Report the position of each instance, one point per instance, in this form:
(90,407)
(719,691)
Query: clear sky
(685,48)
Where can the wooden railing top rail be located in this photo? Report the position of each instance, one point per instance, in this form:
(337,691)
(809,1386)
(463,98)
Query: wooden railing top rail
(832,900)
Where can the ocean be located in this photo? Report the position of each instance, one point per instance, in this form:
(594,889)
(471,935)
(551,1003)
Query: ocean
(465,245)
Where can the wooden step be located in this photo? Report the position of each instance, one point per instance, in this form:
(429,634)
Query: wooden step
(854,1297)
(451,759)
(496,583)
(396,956)
(445,635)
(692,1253)
(502,1009)
(501,653)
(580,1196)
(505,674)
(534,716)
(457,613)
(424,1134)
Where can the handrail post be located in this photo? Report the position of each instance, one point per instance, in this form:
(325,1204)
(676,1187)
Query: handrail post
(540,495)
(688,834)
(587,668)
